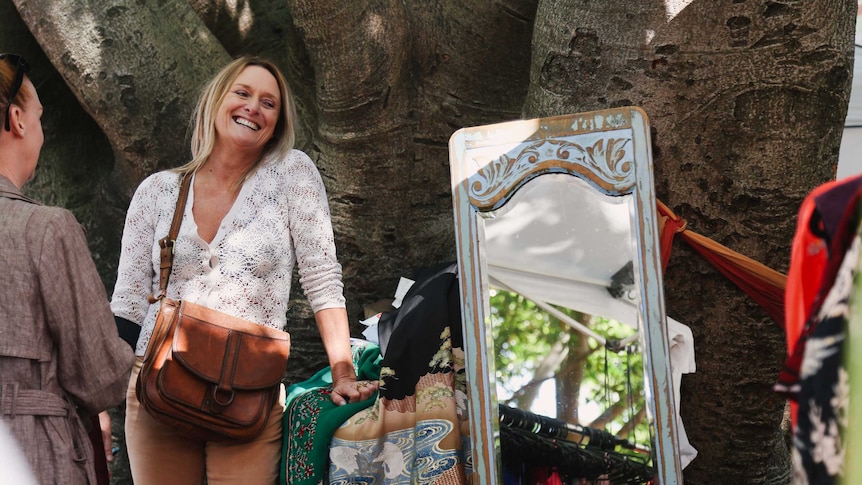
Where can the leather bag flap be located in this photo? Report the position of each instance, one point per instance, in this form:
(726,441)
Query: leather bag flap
(228,351)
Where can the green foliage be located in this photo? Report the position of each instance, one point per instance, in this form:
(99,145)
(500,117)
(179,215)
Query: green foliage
(523,335)
(528,340)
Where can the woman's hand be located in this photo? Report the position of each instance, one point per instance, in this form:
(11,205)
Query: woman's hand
(348,389)
(335,332)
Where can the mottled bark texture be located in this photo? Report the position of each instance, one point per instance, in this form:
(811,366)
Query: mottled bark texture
(747,98)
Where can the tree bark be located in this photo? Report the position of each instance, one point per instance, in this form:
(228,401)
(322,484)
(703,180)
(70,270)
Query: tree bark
(76,158)
(389,87)
(747,99)
(136,67)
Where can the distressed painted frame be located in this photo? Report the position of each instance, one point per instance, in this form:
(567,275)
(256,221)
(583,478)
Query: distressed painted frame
(611,151)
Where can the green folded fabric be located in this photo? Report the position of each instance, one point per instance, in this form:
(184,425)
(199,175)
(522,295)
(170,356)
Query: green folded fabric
(311,418)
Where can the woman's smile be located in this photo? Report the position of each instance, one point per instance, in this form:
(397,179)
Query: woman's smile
(247,123)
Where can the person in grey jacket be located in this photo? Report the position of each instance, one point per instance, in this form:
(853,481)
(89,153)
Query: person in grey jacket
(61,359)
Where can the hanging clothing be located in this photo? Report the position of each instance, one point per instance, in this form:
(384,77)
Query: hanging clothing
(310,418)
(818,221)
(534,446)
(819,435)
(824,216)
(416,430)
(814,376)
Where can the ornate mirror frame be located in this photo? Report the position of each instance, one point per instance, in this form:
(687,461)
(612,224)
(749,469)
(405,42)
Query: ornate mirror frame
(611,151)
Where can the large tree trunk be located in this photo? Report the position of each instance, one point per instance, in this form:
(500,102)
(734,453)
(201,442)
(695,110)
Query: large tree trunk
(389,87)
(747,98)
(135,66)
(76,157)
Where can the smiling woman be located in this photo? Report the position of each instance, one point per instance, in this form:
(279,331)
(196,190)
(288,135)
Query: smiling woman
(247,117)
(252,197)
(245,122)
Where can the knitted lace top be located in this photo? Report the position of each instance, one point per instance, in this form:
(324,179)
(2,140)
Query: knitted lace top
(281,215)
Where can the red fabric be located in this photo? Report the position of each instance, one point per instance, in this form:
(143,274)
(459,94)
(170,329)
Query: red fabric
(770,297)
(669,226)
(554,479)
(541,475)
(808,257)
(815,260)
(765,289)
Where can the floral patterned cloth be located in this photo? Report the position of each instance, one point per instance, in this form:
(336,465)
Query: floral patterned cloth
(819,439)
(417,431)
(310,418)
(420,439)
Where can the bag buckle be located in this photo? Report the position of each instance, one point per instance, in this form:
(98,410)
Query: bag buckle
(167,243)
(218,402)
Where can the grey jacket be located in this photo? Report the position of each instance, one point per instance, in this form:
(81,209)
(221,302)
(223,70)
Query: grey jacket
(61,359)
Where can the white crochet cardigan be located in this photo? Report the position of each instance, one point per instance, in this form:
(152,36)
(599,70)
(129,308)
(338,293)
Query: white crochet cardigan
(281,215)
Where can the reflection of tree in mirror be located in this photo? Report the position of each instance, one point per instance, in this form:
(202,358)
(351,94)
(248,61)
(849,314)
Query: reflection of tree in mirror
(541,360)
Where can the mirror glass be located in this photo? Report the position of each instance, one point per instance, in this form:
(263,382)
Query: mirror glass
(564,321)
(563,312)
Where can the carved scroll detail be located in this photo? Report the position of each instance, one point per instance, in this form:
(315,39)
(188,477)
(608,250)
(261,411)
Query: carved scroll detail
(607,164)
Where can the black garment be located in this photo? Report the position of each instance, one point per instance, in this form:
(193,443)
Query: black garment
(128,330)
(819,437)
(831,208)
(835,220)
(431,305)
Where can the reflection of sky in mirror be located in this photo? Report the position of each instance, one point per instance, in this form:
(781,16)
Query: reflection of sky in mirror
(557,226)
(546,401)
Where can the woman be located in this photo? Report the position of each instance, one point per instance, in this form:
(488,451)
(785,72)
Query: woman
(61,361)
(255,207)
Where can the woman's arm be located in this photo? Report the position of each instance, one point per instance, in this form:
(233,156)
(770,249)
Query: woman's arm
(135,270)
(312,235)
(320,276)
(333,326)
(93,363)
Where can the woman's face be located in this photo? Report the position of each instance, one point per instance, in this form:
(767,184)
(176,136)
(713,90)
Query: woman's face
(249,112)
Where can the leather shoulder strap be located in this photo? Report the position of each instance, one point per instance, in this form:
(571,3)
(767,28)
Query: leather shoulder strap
(166,244)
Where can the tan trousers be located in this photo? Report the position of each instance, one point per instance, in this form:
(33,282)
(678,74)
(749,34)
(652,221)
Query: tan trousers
(160,456)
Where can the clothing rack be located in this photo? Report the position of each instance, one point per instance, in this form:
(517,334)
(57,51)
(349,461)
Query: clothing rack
(556,428)
(576,451)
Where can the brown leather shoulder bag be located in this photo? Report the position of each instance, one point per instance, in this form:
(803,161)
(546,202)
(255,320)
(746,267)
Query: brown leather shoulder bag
(207,374)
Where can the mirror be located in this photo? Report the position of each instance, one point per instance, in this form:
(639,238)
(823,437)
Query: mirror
(558,215)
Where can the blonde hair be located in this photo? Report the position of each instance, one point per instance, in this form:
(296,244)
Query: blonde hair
(203,132)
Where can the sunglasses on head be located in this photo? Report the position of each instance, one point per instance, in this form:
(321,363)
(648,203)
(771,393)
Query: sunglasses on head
(21,68)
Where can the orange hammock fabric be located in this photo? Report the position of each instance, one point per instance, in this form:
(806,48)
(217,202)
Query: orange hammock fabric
(761,283)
